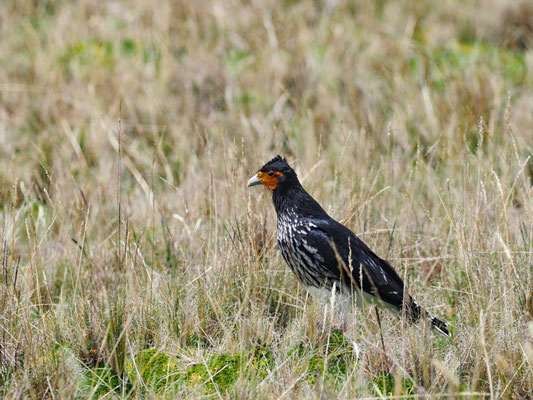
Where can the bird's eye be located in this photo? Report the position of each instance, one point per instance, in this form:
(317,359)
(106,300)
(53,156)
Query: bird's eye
(270,173)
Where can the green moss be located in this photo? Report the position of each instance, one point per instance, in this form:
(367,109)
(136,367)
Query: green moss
(101,382)
(332,362)
(385,385)
(220,372)
(157,370)
(262,362)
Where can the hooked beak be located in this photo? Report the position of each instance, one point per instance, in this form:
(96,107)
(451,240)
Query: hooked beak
(254,180)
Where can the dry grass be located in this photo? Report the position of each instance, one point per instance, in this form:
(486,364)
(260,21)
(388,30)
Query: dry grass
(409,121)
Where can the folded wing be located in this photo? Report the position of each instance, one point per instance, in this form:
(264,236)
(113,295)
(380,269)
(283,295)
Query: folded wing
(350,260)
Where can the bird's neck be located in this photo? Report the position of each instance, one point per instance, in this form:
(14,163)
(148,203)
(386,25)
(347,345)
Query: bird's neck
(294,198)
(284,198)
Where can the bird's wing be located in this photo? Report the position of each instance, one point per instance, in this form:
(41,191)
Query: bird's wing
(360,268)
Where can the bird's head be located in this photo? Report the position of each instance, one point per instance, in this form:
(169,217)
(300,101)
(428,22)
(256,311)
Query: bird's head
(274,174)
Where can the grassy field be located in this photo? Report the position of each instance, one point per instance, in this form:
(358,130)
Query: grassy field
(135,263)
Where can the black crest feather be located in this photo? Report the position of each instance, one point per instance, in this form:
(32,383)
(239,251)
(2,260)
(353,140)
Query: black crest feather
(278,163)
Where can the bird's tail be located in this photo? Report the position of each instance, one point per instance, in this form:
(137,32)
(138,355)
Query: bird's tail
(415,312)
(439,325)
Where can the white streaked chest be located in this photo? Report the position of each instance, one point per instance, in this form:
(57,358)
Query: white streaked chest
(292,227)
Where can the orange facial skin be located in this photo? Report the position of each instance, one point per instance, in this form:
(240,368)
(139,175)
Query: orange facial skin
(269,179)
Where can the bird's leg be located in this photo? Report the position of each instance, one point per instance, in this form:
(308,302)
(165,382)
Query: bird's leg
(344,322)
(380,330)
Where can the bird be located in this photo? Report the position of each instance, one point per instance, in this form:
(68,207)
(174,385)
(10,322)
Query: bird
(326,256)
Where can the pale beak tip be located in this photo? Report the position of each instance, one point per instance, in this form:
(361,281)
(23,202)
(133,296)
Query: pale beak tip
(254,180)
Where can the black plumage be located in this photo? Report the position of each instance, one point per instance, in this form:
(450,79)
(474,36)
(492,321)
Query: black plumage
(325,254)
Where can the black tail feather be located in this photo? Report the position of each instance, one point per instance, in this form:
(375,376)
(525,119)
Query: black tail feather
(415,312)
(439,325)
